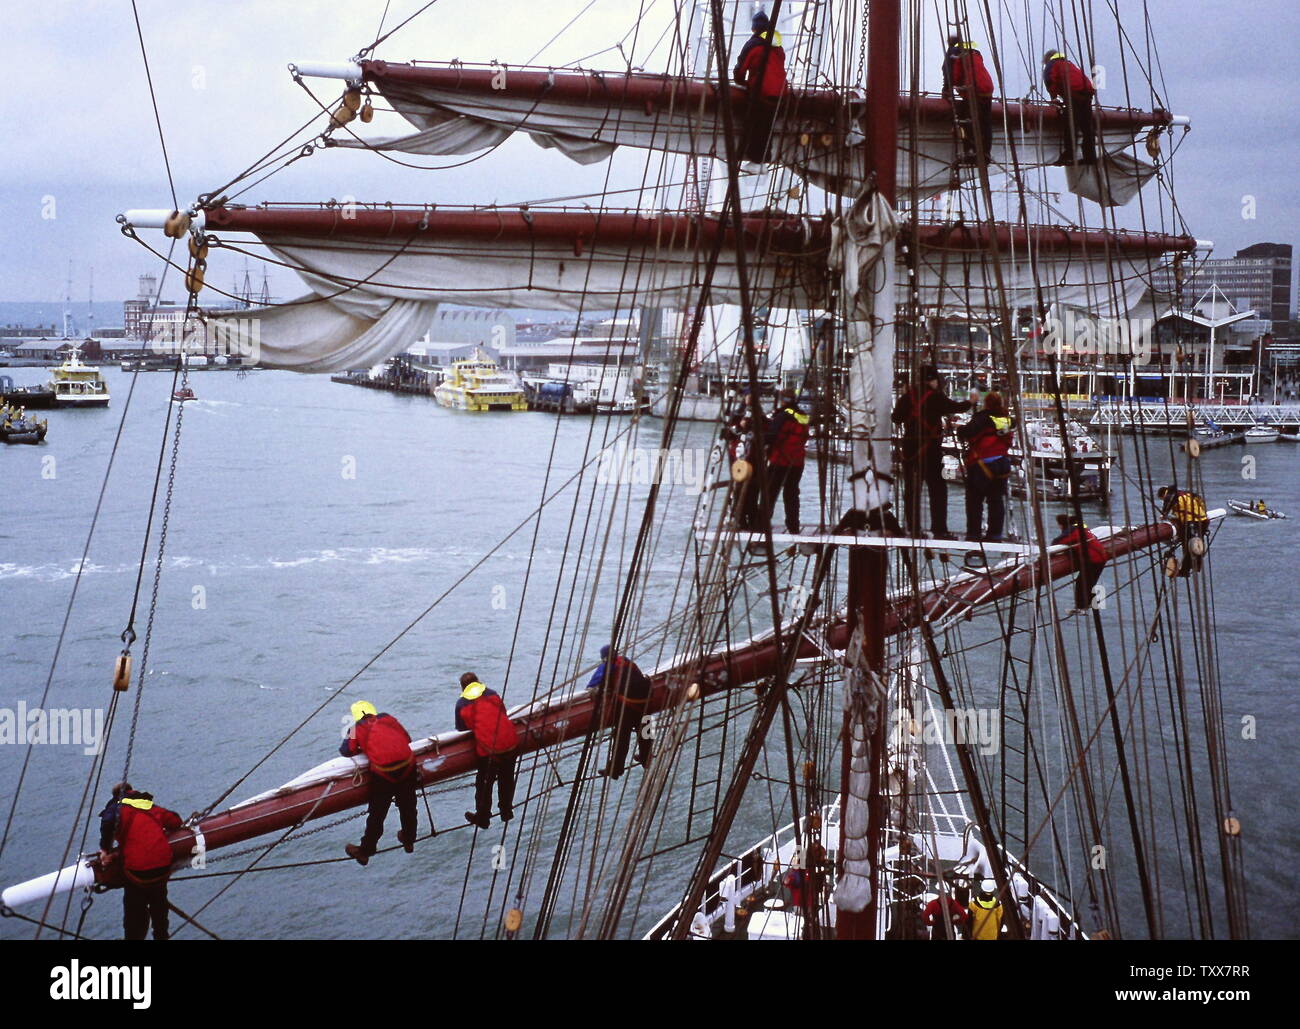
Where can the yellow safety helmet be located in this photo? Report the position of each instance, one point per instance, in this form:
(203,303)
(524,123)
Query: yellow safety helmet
(362,708)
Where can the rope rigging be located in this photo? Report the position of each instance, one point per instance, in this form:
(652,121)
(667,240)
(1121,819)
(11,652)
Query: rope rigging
(599,848)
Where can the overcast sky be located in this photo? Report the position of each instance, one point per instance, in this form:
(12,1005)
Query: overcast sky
(82,144)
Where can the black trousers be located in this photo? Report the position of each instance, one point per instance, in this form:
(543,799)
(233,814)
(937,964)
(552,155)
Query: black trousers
(784,481)
(382,794)
(981,490)
(925,471)
(143,906)
(1083,585)
(1079,121)
(978,112)
(627,724)
(745,499)
(758,129)
(498,769)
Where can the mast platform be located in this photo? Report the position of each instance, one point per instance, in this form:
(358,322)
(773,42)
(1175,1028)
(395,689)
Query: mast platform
(899,542)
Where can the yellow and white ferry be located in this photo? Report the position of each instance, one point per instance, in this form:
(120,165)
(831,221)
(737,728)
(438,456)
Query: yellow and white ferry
(477,384)
(78,385)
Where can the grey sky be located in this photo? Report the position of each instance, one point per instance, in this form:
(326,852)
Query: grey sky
(80,126)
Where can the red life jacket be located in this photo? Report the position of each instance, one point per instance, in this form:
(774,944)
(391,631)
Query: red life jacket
(142,834)
(1065,79)
(990,444)
(485,716)
(773,84)
(388,746)
(790,447)
(968,60)
(1096,552)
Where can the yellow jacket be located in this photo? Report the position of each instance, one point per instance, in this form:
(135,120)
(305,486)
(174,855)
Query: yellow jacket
(985,919)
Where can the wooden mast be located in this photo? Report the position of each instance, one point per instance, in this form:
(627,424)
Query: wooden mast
(867,564)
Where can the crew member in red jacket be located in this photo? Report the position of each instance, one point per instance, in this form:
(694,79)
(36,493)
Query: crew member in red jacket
(787,448)
(1070,87)
(965,76)
(945,917)
(1092,561)
(761,70)
(392,776)
(922,411)
(139,828)
(481,711)
(988,437)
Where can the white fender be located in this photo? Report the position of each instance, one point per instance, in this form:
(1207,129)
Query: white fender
(727,892)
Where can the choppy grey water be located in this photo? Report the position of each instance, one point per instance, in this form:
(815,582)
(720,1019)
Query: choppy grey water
(285,574)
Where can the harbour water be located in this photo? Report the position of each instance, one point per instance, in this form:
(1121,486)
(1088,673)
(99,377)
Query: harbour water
(311,522)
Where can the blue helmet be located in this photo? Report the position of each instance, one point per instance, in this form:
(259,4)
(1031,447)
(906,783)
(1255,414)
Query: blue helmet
(760,22)
(604,651)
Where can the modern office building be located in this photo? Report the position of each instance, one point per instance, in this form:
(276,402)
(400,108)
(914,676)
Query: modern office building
(1257,278)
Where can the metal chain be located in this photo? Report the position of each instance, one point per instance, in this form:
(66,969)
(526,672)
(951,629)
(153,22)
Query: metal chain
(862,43)
(157,573)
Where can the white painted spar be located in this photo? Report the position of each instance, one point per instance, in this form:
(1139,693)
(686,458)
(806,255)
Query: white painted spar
(1181,120)
(349,71)
(156,217)
(50,885)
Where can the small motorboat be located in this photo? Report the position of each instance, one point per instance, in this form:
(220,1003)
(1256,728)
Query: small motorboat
(183,394)
(1210,436)
(1254,509)
(1288,437)
(17,427)
(1261,434)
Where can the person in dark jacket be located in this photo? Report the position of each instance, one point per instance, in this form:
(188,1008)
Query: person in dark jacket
(968,86)
(1068,85)
(1089,555)
(787,449)
(387,746)
(496,747)
(760,68)
(739,437)
(988,437)
(922,411)
(133,830)
(627,689)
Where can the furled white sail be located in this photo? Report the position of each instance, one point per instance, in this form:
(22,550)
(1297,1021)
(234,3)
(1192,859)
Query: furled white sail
(827,146)
(372,297)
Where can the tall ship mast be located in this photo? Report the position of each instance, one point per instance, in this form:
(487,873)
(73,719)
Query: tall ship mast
(920,719)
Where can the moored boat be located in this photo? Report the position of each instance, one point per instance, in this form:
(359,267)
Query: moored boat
(1260,434)
(31,397)
(76,384)
(16,426)
(477,384)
